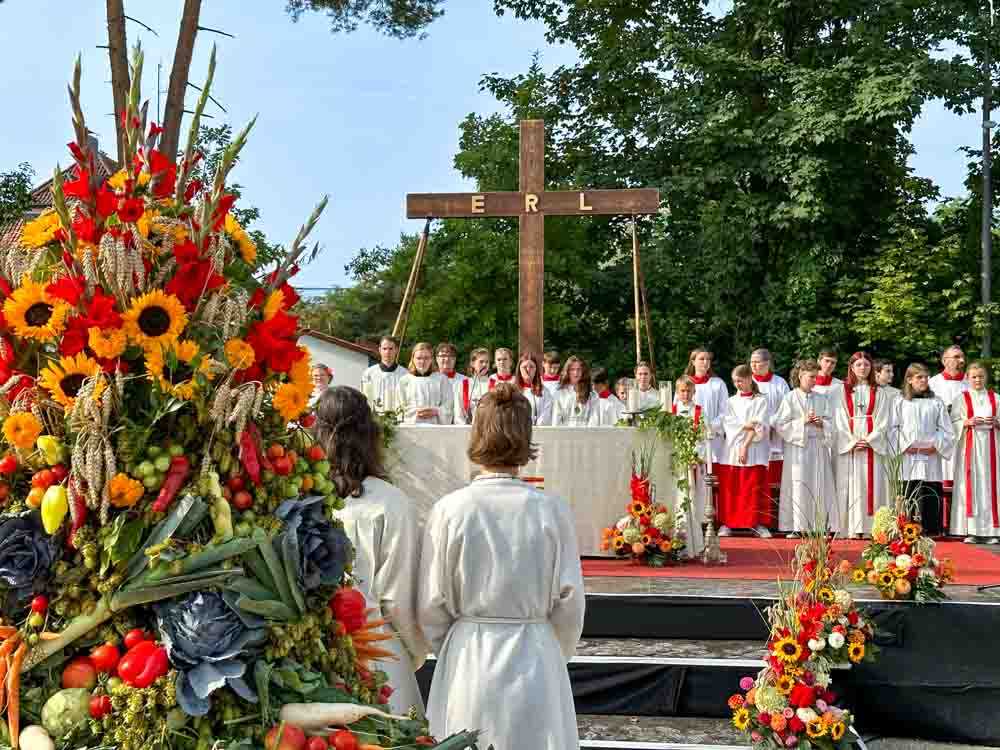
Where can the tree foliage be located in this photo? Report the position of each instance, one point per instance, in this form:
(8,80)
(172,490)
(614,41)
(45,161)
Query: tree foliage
(15,192)
(396,18)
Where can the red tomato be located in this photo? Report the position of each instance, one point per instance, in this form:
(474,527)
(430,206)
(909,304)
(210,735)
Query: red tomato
(80,673)
(100,706)
(44,479)
(105,658)
(60,472)
(275,450)
(317,743)
(235,483)
(343,739)
(134,637)
(8,464)
(315,453)
(292,738)
(307,420)
(243,500)
(282,466)
(40,604)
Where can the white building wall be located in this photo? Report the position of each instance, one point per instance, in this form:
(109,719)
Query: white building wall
(347,364)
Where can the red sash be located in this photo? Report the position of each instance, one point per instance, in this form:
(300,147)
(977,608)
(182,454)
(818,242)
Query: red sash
(465,395)
(870,424)
(697,412)
(969,442)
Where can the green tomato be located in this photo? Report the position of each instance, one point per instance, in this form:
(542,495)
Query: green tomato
(322,467)
(301,466)
(243,529)
(145,469)
(151,482)
(153,451)
(175,450)
(162,463)
(249,516)
(291,491)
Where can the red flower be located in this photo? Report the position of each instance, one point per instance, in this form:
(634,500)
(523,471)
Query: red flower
(226,202)
(79,186)
(274,341)
(852,617)
(802,696)
(828,696)
(164,171)
(154,130)
(764,718)
(68,288)
(194,277)
(131,209)
(796,724)
(106,202)
(191,190)
(85,228)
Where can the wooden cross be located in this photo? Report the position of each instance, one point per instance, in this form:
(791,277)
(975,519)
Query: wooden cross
(531,204)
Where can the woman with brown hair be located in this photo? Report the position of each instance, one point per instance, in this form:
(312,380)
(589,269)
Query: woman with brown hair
(712,395)
(473,387)
(575,402)
(424,395)
(384,526)
(529,381)
(501,594)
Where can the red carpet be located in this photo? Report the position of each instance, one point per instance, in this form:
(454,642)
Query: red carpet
(766,559)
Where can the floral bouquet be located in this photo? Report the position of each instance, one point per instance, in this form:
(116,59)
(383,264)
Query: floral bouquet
(815,627)
(900,562)
(648,534)
(172,572)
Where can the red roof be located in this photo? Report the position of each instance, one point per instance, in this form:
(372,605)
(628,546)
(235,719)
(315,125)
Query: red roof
(361,347)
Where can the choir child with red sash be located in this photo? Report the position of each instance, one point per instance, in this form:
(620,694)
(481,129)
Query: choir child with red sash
(974,511)
(774,388)
(474,387)
(804,420)
(947,385)
(529,381)
(503,361)
(686,406)
(862,421)
(575,402)
(649,396)
(826,381)
(425,396)
(926,438)
(711,394)
(610,407)
(446,356)
(551,371)
(744,502)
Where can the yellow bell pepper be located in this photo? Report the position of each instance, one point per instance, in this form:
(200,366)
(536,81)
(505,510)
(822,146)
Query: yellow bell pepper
(55,506)
(52,449)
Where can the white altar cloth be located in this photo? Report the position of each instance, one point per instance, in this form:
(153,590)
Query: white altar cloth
(589,467)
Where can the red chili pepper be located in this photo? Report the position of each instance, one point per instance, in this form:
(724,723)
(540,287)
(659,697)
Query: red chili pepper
(177,475)
(249,456)
(156,666)
(143,664)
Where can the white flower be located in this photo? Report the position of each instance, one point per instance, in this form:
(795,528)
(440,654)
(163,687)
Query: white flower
(623,523)
(631,535)
(817,644)
(926,573)
(903,562)
(769,699)
(843,621)
(843,599)
(836,640)
(806,714)
(823,679)
(661,521)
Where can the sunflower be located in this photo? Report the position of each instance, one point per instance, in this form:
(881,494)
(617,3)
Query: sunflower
(858,576)
(815,728)
(107,343)
(885,579)
(290,401)
(637,508)
(248,250)
(175,366)
(837,730)
(787,650)
(785,684)
(856,636)
(741,719)
(826,595)
(856,652)
(646,539)
(619,544)
(39,232)
(911,531)
(154,319)
(22,430)
(64,380)
(33,313)
(124,491)
(239,354)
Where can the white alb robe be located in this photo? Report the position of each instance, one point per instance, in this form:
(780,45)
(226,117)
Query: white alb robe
(948,390)
(551,384)
(467,396)
(609,411)
(774,388)
(386,530)
(924,423)
(982,464)
(695,516)
(497,378)
(379,387)
(432,391)
(713,397)
(502,604)
(808,499)
(567,411)
(742,411)
(455,381)
(857,499)
(834,386)
(648,399)
(541,406)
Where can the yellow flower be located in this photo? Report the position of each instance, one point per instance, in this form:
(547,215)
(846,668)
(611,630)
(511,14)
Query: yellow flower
(885,579)
(117,180)
(174,367)
(274,303)
(124,491)
(785,684)
(300,372)
(290,401)
(787,650)
(107,343)
(858,576)
(155,319)
(826,595)
(64,380)
(40,232)
(837,730)
(856,652)
(856,636)
(248,250)
(815,728)
(22,430)
(911,531)
(145,223)
(33,313)
(239,354)
(741,719)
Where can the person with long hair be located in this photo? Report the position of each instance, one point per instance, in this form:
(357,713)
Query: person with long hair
(645,384)
(476,385)
(804,420)
(424,395)
(503,363)
(446,356)
(384,525)
(712,395)
(529,381)
(379,381)
(974,505)
(576,404)
(926,438)
(501,594)
(863,425)
(744,502)
(610,407)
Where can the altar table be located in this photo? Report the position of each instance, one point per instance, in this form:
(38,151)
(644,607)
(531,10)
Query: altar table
(588,467)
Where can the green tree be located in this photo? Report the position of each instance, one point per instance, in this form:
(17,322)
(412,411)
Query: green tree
(396,18)
(15,192)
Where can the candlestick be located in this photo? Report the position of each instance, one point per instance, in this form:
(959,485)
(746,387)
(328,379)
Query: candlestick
(633,399)
(664,398)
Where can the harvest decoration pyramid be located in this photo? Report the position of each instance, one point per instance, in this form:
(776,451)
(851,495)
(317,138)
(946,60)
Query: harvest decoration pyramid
(172,573)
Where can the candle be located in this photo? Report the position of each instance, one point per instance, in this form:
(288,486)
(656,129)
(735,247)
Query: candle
(670,395)
(664,398)
(633,400)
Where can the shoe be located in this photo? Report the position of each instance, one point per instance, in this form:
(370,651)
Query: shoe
(762,532)
(993,540)
(792,535)
(724,531)
(969,540)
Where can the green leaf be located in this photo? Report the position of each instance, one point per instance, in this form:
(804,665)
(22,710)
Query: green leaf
(275,568)
(269,609)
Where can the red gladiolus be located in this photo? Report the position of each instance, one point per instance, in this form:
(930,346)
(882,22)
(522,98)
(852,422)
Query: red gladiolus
(85,228)
(154,130)
(131,209)
(852,617)
(106,202)
(193,188)
(79,186)
(68,288)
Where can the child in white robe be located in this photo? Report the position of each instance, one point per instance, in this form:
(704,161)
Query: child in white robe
(685,406)
(610,408)
(804,420)
(974,503)
(501,595)
(551,371)
(469,392)
(884,374)
(862,415)
(503,361)
(744,502)
(774,388)
(947,385)
(529,381)
(576,404)
(424,396)
(378,382)
(712,395)
(826,381)
(645,387)
(385,528)
(447,357)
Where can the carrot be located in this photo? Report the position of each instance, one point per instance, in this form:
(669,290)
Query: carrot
(14,695)
(47,636)
(370,747)
(6,631)
(366,637)
(7,648)
(3,684)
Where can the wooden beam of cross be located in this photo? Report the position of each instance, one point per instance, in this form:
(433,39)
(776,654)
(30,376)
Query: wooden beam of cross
(531,204)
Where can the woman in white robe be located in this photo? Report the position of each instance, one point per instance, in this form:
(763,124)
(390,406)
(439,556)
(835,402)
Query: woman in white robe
(529,381)
(862,418)
(745,502)
(576,404)
(808,499)
(712,395)
(974,512)
(470,391)
(647,396)
(424,396)
(503,361)
(501,595)
(385,528)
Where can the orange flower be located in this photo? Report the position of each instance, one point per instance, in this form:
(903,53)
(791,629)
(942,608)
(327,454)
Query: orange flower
(124,491)
(22,430)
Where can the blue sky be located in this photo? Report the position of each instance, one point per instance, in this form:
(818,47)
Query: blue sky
(361,117)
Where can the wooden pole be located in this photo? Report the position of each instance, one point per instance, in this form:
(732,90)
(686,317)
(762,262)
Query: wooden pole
(635,286)
(649,326)
(411,283)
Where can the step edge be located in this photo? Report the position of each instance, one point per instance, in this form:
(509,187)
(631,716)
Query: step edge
(639,745)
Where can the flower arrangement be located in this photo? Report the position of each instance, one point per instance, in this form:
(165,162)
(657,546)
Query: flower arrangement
(815,628)
(649,534)
(684,437)
(172,571)
(899,561)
